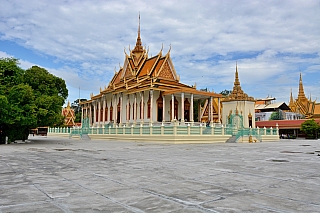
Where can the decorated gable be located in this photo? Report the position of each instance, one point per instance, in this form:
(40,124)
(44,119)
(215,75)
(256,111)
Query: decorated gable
(166,71)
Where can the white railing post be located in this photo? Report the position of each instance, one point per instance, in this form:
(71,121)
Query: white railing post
(141,129)
(212,129)
(264,130)
(271,131)
(222,129)
(162,128)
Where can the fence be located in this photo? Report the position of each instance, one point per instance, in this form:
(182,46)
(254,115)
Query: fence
(174,129)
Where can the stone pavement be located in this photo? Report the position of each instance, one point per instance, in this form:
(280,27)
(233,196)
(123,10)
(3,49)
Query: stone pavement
(68,175)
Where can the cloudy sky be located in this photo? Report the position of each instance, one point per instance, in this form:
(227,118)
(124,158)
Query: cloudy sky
(83,42)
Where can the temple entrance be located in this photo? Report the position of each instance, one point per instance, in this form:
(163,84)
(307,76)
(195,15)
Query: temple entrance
(160,108)
(236,120)
(118,112)
(250,120)
(160,111)
(186,110)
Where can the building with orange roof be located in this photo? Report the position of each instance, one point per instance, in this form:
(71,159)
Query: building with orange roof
(302,105)
(148,89)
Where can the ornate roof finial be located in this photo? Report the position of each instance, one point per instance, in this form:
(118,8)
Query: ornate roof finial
(291,102)
(138,47)
(301,95)
(237,93)
(236,80)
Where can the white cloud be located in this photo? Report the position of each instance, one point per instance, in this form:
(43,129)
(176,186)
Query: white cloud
(269,39)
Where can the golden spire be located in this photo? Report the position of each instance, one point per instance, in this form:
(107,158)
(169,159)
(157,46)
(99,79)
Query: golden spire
(291,103)
(236,80)
(237,93)
(301,95)
(138,47)
(68,106)
(291,99)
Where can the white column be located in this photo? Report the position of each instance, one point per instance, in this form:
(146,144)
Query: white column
(151,106)
(104,110)
(182,106)
(94,112)
(99,112)
(90,114)
(120,108)
(172,107)
(115,109)
(128,109)
(163,107)
(135,108)
(191,109)
(211,109)
(219,109)
(108,111)
(82,111)
(142,106)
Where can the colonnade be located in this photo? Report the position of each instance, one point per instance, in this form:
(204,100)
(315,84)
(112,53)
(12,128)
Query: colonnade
(142,107)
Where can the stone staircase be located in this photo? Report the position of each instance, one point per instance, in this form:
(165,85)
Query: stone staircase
(232,139)
(85,137)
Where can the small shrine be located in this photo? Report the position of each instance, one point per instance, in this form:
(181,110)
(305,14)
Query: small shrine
(238,108)
(69,115)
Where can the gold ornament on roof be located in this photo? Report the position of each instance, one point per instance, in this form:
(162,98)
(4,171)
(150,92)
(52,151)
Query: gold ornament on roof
(237,93)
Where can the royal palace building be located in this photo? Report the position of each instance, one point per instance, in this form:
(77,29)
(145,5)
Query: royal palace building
(148,90)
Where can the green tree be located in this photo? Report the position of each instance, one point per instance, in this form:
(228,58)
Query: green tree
(276,115)
(310,128)
(28,99)
(225,92)
(77,109)
(50,94)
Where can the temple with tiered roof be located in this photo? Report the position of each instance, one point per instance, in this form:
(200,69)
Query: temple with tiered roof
(302,105)
(148,89)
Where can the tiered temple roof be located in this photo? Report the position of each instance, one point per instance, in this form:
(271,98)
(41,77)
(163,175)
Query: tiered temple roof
(303,105)
(141,73)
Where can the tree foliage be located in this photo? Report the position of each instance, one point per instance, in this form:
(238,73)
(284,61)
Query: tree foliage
(276,115)
(28,98)
(226,92)
(77,109)
(310,128)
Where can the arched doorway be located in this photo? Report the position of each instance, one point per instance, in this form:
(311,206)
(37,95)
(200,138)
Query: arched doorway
(118,111)
(187,110)
(160,108)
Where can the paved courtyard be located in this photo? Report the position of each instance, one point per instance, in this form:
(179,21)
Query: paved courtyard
(68,175)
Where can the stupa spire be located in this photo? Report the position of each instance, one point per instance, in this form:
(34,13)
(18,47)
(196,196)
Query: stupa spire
(138,47)
(301,95)
(236,80)
(237,93)
(291,98)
